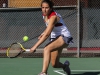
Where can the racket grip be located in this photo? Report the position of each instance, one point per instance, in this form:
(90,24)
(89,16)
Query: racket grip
(27,50)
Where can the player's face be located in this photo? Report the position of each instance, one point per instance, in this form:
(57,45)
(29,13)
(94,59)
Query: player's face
(45,9)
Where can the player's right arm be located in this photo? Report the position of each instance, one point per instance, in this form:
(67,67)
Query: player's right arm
(48,30)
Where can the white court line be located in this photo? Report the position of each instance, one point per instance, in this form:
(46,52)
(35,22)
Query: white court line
(60,71)
(85,70)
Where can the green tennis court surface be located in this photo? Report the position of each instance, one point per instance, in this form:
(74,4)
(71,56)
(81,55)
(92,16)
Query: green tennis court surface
(33,66)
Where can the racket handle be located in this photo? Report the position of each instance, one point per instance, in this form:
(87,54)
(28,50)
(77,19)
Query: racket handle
(27,50)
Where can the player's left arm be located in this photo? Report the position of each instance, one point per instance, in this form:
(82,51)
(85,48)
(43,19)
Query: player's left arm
(48,30)
(41,35)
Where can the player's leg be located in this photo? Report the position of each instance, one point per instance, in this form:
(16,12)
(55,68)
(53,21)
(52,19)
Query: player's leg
(55,55)
(55,58)
(52,46)
(57,44)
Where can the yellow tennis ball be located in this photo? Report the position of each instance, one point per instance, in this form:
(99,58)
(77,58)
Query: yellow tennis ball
(25,38)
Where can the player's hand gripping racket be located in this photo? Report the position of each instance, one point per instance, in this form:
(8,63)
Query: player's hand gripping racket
(15,49)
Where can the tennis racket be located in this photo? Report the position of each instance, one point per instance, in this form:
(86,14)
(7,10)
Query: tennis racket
(15,49)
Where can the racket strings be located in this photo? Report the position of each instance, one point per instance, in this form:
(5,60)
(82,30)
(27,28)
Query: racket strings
(14,50)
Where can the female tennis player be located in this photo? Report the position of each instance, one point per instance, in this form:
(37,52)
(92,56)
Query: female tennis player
(60,38)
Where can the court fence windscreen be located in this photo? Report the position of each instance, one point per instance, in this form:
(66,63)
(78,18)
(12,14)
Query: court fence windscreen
(18,18)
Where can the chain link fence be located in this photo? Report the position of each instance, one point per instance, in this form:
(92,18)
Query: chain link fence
(23,17)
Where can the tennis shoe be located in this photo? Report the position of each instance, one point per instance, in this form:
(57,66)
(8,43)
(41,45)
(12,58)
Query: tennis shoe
(42,74)
(66,67)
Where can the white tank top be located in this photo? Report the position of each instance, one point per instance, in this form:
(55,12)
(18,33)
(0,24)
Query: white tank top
(60,28)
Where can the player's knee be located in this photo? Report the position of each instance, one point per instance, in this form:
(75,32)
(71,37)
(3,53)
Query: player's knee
(54,65)
(46,49)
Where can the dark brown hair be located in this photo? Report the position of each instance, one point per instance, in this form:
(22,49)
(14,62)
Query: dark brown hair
(49,2)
